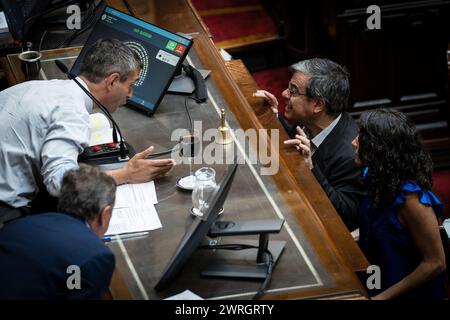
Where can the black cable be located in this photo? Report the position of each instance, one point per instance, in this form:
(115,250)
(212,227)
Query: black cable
(188,114)
(88,21)
(50,10)
(163,153)
(177,146)
(125,2)
(195,99)
(270,263)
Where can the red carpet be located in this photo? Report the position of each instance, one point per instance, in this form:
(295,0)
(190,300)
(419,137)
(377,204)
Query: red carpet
(238,25)
(216,4)
(274,81)
(235,24)
(441,186)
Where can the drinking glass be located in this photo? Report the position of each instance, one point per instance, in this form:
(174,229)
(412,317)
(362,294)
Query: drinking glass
(205,186)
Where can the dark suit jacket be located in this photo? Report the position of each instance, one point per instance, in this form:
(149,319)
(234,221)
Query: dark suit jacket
(36,251)
(336,171)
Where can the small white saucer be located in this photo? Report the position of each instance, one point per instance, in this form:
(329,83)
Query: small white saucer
(194,214)
(186,183)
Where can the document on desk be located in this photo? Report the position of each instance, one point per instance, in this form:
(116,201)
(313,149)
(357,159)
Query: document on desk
(134,209)
(133,195)
(185,295)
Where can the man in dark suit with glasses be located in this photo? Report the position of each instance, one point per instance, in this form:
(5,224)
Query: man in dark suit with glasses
(316,100)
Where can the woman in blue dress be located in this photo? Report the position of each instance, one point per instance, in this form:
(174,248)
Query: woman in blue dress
(398,229)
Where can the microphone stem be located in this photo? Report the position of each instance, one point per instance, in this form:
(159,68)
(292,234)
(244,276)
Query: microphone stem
(114,135)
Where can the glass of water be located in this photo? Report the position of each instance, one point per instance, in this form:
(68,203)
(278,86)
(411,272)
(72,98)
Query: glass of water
(205,185)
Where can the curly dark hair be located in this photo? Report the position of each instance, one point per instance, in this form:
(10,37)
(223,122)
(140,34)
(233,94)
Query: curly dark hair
(390,146)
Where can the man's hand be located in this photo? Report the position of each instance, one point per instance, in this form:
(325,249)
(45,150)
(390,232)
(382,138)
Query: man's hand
(139,169)
(303,145)
(270,98)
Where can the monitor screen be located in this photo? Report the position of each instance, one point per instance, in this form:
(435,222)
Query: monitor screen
(161,52)
(197,230)
(21,14)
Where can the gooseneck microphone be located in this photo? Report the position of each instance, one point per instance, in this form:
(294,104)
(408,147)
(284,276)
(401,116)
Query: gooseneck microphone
(123,154)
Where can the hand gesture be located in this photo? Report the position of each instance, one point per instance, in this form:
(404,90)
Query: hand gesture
(303,145)
(270,98)
(140,169)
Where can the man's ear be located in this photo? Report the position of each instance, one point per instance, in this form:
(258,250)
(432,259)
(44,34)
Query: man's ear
(111,80)
(105,217)
(101,223)
(319,106)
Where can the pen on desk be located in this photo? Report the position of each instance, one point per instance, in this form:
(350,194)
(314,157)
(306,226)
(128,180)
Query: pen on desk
(125,236)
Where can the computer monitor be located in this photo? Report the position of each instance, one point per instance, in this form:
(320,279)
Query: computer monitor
(197,230)
(21,14)
(161,52)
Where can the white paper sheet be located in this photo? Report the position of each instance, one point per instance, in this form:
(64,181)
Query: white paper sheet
(134,209)
(128,220)
(185,295)
(135,195)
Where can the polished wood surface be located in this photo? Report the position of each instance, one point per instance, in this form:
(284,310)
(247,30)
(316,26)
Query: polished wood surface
(307,209)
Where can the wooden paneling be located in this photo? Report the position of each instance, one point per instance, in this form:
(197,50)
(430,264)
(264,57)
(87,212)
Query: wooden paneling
(401,66)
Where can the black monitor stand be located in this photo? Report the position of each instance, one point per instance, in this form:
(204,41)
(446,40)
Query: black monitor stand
(245,263)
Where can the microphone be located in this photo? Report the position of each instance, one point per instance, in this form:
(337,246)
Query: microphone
(123,152)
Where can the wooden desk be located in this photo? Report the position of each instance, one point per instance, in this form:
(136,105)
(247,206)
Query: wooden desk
(320,256)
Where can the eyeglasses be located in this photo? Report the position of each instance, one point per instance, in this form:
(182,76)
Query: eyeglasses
(293,91)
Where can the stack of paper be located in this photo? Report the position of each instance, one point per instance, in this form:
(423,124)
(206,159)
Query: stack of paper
(185,295)
(134,210)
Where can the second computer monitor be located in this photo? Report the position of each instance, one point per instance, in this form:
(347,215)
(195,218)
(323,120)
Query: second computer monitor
(197,230)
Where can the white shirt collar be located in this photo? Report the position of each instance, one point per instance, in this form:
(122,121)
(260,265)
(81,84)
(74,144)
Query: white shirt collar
(318,139)
(87,100)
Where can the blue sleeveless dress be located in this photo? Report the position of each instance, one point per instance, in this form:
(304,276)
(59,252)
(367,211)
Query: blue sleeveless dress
(386,243)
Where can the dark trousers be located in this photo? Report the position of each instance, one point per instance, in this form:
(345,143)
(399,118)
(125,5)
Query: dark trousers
(8,213)
(43,202)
